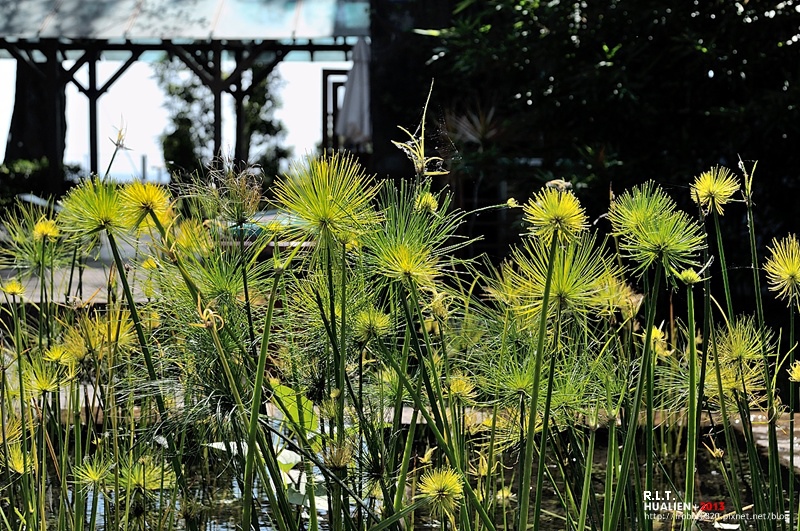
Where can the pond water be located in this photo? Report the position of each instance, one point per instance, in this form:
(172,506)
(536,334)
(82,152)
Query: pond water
(710,491)
(219,503)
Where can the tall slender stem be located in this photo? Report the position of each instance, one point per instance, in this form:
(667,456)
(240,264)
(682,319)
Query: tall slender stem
(723,267)
(691,443)
(247,305)
(792,398)
(256,405)
(633,418)
(537,507)
(775,476)
(148,361)
(525,483)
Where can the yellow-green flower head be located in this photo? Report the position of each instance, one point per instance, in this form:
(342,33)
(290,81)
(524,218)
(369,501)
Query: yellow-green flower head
(714,188)
(512,203)
(553,212)
(353,246)
(579,272)
(741,340)
(783,268)
(439,305)
(351,241)
(46,229)
(93,471)
(13,430)
(404,262)
(371,323)
(441,490)
(19,459)
(652,231)
(149,264)
(505,496)
(689,277)
(145,476)
(241,196)
(658,342)
(13,287)
(138,201)
(94,336)
(740,380)
(338,455)
(275,227)
(794,372)
(54,354)
(328,197)
(41,377)
(193,238)
(614,294)
(461,389)
(426,202)
(631,211)
(90,207)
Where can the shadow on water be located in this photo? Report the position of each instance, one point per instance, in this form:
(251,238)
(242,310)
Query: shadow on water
(217,503)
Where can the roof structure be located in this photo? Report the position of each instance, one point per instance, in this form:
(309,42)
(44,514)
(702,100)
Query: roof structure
(184,20)
(204,34)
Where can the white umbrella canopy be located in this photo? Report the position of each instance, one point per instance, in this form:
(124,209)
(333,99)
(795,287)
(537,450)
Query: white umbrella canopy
(354,122)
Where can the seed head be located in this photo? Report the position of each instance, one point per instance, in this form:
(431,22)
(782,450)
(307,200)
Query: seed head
(46,229)
(653,231)
(658,342)
(794,372)
(371,323)
(328,197)
(689,277)
(741,340)
(426,202)
(461,389)
(90,207)
(714,188)
(13,287)
(441,490)
(553,212)
(783,268)
(139,200)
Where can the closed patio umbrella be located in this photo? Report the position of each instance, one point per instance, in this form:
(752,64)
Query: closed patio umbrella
(354,122)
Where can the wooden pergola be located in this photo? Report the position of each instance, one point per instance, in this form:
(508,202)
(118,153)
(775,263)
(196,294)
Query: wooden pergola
(204,34)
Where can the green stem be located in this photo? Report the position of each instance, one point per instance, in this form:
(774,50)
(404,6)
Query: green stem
(650,424)
(23,414)
(256,405)
(405,462)
(272,476)
(723,268)
(691,444)
(775,477)
(611,467)
(792,399)
(434,387)
(587,475)
(444,444)
(42,298)
(248,309)
(342,344)
(148,361)
(537,508)
(525,483)
(633,418)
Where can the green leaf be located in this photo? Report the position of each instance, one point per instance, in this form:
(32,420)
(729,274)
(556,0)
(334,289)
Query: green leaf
(292,404)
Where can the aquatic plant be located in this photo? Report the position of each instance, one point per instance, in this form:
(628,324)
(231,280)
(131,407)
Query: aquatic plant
(342,366)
